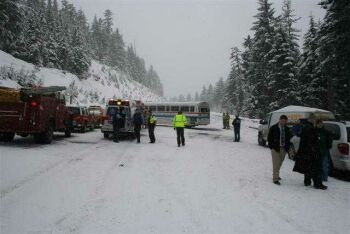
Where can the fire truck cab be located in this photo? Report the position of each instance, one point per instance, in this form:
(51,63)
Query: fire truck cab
(126,109)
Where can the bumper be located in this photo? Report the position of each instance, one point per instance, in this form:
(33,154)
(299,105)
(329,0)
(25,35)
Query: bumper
(342,164)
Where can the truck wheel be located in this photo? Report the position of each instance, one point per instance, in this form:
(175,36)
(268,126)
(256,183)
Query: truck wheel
(106,135)
(261,140)
(83,128)
(46,137)
(7,136)
(67,132)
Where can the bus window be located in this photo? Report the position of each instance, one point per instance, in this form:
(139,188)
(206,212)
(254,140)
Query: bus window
(167,108)
(204,110)
(161,108)
(175,108)
(185,108)
(192,109)
(153,108)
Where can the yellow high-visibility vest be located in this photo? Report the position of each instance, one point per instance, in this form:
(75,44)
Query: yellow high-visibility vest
(179,121)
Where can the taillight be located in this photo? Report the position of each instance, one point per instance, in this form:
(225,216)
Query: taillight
(33,103)
(343,148)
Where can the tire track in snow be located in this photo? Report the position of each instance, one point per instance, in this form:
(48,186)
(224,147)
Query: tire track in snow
(72,221)
(46,170)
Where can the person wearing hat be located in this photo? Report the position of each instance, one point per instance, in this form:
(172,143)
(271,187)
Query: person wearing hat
(179,124)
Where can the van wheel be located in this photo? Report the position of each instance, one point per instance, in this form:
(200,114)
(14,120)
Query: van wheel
(7,136)
(261,140)
(46,137)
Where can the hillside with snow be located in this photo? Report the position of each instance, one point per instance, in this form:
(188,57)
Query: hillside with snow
(99,84)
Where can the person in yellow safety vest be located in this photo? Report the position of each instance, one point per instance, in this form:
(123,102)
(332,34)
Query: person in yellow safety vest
(179,123)
(151,126)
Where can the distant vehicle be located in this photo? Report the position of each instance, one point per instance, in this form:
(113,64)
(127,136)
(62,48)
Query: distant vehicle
(33,111)
(81,119)
(98,113)
(127,109)
(294,114)
(197,113)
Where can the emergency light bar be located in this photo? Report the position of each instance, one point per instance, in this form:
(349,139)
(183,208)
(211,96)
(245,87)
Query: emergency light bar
(118,103)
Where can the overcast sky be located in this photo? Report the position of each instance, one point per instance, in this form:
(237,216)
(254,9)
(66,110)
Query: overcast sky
(188,41)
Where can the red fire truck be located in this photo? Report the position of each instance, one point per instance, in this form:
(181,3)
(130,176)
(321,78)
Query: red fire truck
(33,111)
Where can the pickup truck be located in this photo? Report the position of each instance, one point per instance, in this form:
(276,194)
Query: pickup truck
(33,111)
(81,118)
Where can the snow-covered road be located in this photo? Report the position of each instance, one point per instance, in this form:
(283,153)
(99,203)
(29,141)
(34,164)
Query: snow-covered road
(88,184)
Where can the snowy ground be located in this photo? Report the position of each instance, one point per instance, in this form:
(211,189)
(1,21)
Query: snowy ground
(88,184)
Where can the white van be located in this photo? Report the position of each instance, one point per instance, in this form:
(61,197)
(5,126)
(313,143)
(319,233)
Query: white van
(294,114)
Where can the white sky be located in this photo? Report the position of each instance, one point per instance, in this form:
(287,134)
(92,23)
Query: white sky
(188,41)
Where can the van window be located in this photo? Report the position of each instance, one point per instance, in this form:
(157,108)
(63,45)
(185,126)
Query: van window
(333,129)
(348,132)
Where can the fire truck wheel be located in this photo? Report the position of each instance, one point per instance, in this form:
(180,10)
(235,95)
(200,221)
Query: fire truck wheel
(67,132)
(83,128)
(92,127)
(46,137)
(7,137)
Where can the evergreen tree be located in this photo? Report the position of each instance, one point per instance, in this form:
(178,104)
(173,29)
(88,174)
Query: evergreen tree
(259,69)
(312,85)
(335,55)
(10,24)
(189,98)
(196,97)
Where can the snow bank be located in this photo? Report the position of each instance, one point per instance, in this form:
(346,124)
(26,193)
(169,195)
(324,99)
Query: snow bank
(98,85)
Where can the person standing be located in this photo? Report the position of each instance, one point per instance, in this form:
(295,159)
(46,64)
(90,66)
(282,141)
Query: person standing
(179,123)
(237,128)
(117,124)
(138,121)
(278,138)
(228,119)
(223,120)
(325,144)
(308,158)
(151,126)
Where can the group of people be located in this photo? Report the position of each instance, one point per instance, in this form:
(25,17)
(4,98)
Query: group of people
(236,123)
(313,154)
(179,122)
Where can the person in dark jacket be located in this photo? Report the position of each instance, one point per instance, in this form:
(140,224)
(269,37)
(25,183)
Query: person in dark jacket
(325,144)
(308,159)
(118,123)
(138,121)
(237,128)
(151,126)
(278,139)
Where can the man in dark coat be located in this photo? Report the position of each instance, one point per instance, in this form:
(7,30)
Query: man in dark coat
(278,139)
(308,160)
(138,121)
(118,123)
(237,128)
